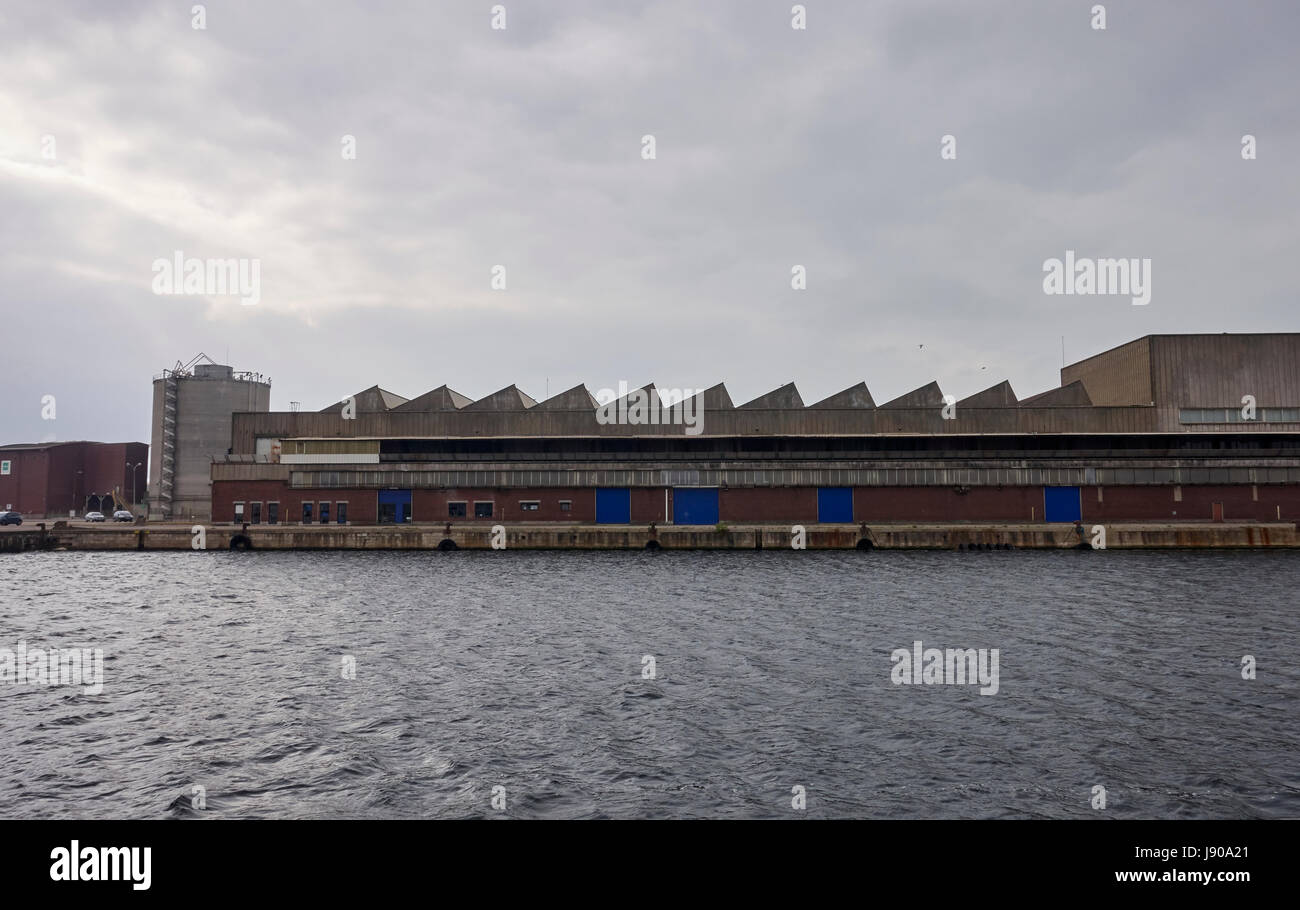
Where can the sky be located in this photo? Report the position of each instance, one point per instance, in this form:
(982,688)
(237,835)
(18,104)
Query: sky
(380,160)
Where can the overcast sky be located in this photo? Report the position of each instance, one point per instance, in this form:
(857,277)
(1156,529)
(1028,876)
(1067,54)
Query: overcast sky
(522,147)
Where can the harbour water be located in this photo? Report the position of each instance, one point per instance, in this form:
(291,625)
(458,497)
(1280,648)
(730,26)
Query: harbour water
(641,684)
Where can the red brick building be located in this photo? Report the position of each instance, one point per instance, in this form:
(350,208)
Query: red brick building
(51,479)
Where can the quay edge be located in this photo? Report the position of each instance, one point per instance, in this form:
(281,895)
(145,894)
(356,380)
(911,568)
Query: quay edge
(891,536)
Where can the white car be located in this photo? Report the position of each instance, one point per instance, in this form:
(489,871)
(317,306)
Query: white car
(123,515)
(95,516)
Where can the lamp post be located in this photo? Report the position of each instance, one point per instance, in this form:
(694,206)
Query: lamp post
(137,466)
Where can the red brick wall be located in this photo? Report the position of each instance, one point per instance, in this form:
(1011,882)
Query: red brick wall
(1119,503)
(431,505)
(647,504)
(362,504)
(945,504)
(762,504)
(1157,502)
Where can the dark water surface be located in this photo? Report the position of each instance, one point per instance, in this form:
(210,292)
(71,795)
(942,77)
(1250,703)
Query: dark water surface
(524,671)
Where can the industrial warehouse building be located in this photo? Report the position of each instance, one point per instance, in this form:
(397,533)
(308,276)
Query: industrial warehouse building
(59,479)
(1154,429)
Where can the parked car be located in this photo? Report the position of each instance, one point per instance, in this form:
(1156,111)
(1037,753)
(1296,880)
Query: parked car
(95,516)
(10,518)
(123,515)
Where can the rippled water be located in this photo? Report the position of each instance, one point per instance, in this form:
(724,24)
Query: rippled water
(524,670)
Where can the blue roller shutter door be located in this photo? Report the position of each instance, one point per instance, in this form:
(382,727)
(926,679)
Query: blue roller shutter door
(695,505)
(1062,504)
(613,506)
(835,505)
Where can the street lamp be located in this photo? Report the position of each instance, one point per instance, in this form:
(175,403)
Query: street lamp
(137,466)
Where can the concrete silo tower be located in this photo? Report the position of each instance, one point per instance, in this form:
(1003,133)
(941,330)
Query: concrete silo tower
(192,406)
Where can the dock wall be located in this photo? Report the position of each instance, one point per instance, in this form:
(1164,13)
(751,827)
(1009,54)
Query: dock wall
(1189,535)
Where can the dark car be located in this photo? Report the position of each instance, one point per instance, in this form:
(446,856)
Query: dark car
(10,518)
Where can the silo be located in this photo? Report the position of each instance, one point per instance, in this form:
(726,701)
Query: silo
(192,407)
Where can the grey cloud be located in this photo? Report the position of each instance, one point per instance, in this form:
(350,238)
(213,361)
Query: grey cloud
(522,148)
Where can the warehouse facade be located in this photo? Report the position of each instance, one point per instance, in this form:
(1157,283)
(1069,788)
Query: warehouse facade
(1167,427)
(61,479)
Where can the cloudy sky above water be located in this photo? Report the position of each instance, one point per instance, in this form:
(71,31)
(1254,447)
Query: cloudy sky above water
(522,147)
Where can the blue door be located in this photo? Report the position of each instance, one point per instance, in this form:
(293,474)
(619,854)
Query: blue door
(695,505)
(394,506)
(835,504)
(1062,504)
(613,506)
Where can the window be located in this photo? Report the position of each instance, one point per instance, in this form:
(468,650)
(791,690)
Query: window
(529,506)
(483,509)
(5,466)
(306,513)
(1202,415)
(341,510)
(257,513)
(1233,415)
(324,513)
(273,513)
(566,505)
(456,510)
(239,513)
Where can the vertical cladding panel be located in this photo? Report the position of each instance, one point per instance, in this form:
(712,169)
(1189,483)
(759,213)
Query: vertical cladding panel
(613,505)
(768,504)
(816,422)
(1061,504)
(835,505)
(32,485)
(1122,376)
(1217,370)
(67,481)
(695,505)
(106,470)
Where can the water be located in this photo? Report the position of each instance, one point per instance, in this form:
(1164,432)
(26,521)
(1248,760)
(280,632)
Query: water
(772,671)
